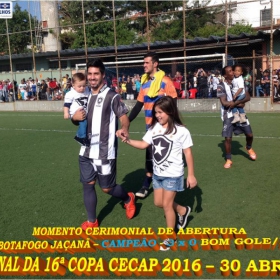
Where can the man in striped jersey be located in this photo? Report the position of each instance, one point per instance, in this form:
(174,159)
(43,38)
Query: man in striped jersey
(98,161)
(154,85)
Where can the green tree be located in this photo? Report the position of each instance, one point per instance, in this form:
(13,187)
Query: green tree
(19,32)
(220,30)
(198,17)
(210,30)
(163,19)
(169,26)
(99,25)
(241,28)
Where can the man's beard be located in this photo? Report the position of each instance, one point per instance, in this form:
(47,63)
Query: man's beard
(97,86)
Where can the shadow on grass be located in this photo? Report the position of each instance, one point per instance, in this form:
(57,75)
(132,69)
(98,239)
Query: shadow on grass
(133,180)
(188,198)
(132,183)
(236,149)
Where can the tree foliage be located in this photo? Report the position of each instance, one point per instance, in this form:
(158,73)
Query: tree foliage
(241,28)
(165,22)
(218,29)
(19,32)
(99,28)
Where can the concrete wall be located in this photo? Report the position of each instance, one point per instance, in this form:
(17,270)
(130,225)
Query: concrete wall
(189,105)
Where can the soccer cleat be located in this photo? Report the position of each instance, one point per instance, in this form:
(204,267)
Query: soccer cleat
(228,164)
(143,192)
(130,206)
(243,118)
(182,219)
(167,244)
(88,224)
(252,154)
(236,118)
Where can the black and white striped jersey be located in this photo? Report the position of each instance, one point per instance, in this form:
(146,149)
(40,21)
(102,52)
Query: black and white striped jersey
(103,111)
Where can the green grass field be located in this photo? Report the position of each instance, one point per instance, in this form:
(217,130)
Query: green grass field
(40,186)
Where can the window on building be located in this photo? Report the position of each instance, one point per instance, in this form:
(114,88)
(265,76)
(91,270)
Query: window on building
(55,64)
(24,66)
(4,68)
(265,17)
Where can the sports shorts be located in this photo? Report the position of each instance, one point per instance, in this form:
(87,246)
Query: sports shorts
(236,128)
(169,184)
(104,171)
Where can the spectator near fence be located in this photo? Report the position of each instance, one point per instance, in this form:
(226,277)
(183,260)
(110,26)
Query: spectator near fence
(129,89)
(178,80)
(278,83)
(265,83)
(202,84)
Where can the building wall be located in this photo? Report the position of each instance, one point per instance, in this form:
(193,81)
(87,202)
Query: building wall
(249,12)
(49,15)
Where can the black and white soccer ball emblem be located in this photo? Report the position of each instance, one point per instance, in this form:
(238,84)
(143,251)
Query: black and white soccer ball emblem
(162,147)
(99,100)
(82,101)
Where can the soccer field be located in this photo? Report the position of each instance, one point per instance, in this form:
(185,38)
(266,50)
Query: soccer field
(39,177)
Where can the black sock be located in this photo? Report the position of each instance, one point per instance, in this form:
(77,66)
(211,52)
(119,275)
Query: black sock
(90,200)
(147,182)
(228,156)
(119,192)
(248,147)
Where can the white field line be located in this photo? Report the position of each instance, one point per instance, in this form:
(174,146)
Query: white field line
(131,132)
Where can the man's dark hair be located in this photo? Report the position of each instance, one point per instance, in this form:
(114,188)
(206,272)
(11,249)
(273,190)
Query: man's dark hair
(97,63)
(224,70)
(153,55)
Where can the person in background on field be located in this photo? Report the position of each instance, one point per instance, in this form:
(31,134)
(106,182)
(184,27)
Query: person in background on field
(21,86)
(98,161)
(225,95)
(169,140)
(5,91)
(154,85)
(248,80)
(33,87)
(74,100)
(215,81)
(129,89)
(115,84)
(178,80)
(123,88)
(137,85)
(202,84)
(265,83)
(274,82)
(24,94)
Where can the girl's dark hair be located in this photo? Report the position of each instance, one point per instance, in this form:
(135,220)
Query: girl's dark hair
(244,70)
(168,105)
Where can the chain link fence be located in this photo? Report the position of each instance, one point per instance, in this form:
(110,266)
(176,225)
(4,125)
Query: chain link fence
(258,50)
